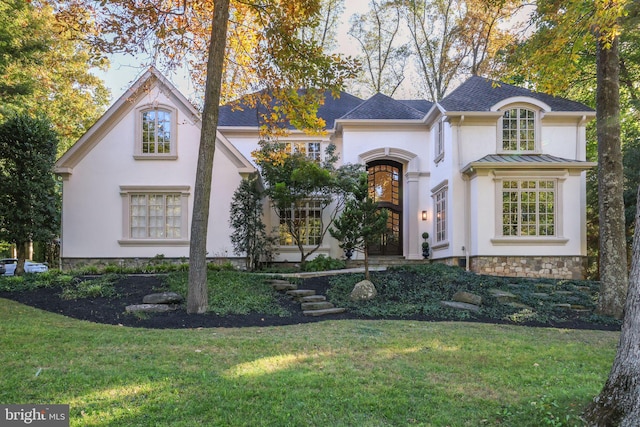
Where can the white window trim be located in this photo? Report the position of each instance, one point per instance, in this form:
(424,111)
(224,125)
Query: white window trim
(558,238)
(537,129)
(291,143)
(173,154)
(127,190)
(307,209)
(439,142)
(443,187)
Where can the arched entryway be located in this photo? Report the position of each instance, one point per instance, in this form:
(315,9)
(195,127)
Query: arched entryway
(385,187)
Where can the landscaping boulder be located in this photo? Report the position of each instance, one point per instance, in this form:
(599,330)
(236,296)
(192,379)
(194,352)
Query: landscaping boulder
(467,297)
(150,308)
(162,298)
(363,291)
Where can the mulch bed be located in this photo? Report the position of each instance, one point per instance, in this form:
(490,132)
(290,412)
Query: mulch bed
(130,290)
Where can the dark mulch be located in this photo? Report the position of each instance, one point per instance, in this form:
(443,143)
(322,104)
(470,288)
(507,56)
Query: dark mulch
(131,290)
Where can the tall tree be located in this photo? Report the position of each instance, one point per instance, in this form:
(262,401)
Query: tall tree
(383,55)
(325,33)
(267,48)
(550,59)
(29,202)
(45,70)
(617,403)
(455,38)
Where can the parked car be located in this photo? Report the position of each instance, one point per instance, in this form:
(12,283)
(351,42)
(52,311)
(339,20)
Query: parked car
(29,266)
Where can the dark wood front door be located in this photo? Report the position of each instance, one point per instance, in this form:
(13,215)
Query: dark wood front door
(385,187)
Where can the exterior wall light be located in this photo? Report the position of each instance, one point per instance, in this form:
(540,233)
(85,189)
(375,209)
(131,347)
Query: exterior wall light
(424,215)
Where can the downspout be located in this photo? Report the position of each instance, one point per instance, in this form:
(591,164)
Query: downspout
(467,203)
(467,217)
(580,124)
(61,222)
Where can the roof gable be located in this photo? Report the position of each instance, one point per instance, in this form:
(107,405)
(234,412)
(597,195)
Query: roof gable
(481,94)
(383,107)
(151,79)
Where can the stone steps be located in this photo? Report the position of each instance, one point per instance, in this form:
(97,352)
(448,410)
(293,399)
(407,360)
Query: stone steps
(310,303)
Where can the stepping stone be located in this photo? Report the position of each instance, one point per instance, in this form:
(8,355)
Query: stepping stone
(300,293)
(460,306)
(313,298)
(503,296)
(562,305)
(281,285)
(324,312)
(540,295)
(545,286)
(316,305)
(519,305)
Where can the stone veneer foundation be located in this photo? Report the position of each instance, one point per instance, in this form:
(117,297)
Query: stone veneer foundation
(551,267)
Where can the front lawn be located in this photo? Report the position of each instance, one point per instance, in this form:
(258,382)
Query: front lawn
(330,373)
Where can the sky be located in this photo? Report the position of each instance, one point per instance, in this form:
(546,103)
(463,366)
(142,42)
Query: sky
(125,69)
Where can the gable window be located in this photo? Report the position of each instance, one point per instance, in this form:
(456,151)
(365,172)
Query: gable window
(304,220)
(519,130)
(529,207)
(440,200)
(156,129)
(152,214)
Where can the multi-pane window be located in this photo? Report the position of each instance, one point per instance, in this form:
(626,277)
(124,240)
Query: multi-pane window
(440,200)
(384,183)
(309,149)
(156,132)
(518,130)
(155,216)
(304,221)
(528,207)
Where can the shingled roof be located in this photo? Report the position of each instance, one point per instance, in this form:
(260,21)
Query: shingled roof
(382,107)
(480,94)
(239,114)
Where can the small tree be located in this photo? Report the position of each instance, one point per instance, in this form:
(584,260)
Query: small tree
(361,222)
(295,181)
(249,235)
(29,202)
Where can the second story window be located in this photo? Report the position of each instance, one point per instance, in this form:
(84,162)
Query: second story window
(156,133)
(519,130)
(308,149)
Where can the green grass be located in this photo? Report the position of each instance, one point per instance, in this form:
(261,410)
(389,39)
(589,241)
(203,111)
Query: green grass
(332,373)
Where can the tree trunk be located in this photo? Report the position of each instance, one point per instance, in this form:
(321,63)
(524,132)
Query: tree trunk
(22,249)
(619,401)
(613,256)
(366,263)
(197,299)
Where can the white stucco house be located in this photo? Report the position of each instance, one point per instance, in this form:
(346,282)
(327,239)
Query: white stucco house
(494,173)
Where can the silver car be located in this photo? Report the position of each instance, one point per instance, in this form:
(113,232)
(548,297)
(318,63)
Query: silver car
(29,266)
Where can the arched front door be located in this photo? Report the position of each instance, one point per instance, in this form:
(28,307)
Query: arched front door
(385,187)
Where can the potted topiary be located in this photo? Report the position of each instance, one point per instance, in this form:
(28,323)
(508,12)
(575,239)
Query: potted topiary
(425,245)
